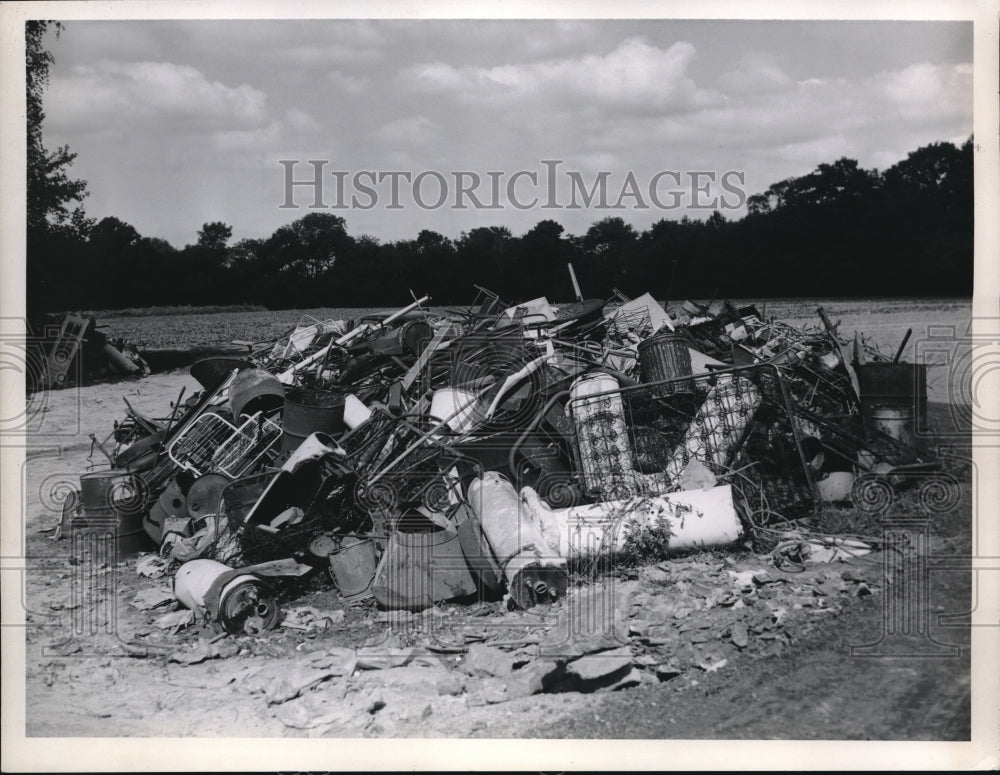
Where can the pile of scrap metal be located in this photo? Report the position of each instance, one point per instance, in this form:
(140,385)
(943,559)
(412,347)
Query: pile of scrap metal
(431,455)
(76,351)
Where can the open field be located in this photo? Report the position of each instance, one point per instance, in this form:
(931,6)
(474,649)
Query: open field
(881,318)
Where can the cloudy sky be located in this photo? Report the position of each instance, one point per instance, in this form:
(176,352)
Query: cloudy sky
(179,123)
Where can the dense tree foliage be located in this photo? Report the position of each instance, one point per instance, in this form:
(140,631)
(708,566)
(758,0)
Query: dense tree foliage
(840,230)
(56,222)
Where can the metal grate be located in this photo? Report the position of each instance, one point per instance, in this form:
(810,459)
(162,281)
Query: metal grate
(212,443)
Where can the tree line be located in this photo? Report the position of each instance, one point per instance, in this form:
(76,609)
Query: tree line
(840,230)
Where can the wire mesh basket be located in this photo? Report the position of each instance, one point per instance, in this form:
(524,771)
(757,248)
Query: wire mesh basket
(212,443)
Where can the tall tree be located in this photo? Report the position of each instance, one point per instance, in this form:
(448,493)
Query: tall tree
(51,191)
(56,223)
(214,236)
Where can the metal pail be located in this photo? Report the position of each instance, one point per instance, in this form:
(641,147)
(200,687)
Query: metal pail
(353,567)
(893,384)
(895,421)
(310,411)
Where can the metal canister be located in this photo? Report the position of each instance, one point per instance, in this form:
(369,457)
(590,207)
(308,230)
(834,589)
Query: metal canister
(243,599)
(352,566)
(310,411)
(414,335)
(895,421)
(893,384)
(666,357)
(114,501)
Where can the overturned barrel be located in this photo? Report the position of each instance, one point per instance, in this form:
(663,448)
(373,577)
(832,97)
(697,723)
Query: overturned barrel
(666,357)
(309,411)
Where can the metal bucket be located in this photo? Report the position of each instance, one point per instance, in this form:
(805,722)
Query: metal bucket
(353,567)
(666,356)
(893,384)
(255,390)
(310,411)
(114,502)
(895,421)
(421,569)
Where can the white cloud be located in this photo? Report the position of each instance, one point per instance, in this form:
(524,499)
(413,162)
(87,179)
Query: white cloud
(262,138)
(350,84)
(926,91)
(414,130)
(635,75)
(300,120)
(174,96)
(756,73)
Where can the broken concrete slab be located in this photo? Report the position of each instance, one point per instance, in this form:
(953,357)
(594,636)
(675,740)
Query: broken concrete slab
(483,660)
(593,666)
(152,597)
(593,619)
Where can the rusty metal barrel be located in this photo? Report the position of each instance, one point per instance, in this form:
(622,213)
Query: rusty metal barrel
(893,384)
(309,411)
(114,502)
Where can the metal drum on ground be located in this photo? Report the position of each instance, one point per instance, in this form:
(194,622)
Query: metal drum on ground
(310,411)
(893,384)
(895,421)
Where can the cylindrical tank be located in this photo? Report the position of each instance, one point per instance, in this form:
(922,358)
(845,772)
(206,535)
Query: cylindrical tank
(352,566)
(893,384)
(310,411)
(414,335)
(115,501)
(895,421)
(246,604)
(666,356)
(533,570)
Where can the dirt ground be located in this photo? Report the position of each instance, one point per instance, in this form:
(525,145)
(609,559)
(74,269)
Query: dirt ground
(713,645)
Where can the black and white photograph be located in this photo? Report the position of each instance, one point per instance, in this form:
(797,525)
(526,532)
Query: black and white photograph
(587,388)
